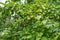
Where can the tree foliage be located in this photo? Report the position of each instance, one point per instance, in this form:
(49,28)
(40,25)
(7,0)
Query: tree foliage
(34,20)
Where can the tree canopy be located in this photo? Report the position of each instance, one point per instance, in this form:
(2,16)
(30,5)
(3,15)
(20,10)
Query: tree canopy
(34,20)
